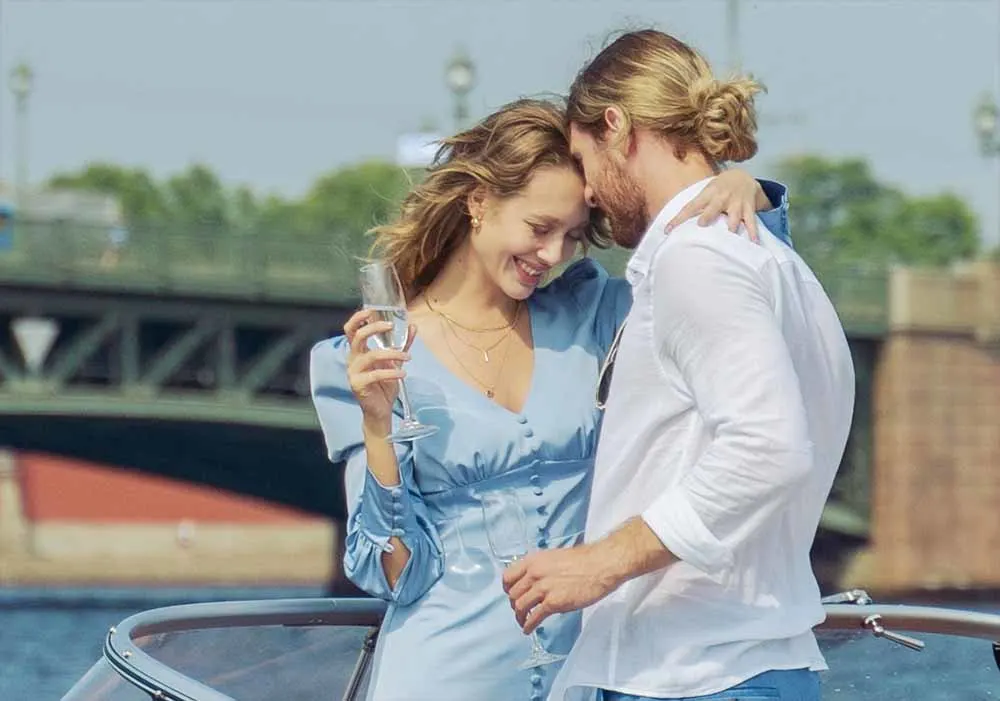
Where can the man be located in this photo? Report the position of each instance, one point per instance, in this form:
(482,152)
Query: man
(729,409)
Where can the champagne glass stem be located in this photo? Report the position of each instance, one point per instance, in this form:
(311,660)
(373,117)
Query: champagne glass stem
(404,399)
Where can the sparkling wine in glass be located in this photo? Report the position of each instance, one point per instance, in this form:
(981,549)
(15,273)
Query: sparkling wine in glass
(382,292)
(507,532)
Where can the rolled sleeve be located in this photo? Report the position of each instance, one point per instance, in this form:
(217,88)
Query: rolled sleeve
(776,218)
(715,319)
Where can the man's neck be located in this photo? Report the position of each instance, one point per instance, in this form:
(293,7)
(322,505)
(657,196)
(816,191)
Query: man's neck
(664,176)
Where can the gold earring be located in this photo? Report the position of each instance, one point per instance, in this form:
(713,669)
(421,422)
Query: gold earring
(475,223)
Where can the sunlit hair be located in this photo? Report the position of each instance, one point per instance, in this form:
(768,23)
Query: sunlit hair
(661,84)
(500,154)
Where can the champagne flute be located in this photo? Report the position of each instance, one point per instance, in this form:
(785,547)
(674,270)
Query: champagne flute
(507,532)
(382,292)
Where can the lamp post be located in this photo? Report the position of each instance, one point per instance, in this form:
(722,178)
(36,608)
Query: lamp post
(22,80)
(460,76)
(986,120)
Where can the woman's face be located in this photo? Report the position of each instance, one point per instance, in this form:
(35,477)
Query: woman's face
(521,238)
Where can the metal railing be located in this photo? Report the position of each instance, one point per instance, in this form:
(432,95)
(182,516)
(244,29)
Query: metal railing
(291,268)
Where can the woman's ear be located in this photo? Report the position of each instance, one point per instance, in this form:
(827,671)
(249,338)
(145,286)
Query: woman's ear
(476,203)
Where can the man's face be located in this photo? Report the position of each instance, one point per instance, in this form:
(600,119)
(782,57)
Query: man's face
(611,187)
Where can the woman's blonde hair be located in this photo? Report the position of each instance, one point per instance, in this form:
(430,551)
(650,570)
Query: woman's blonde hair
(500,154)
(661,84)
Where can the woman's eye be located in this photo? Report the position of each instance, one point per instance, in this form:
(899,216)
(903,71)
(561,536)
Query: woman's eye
(539,229)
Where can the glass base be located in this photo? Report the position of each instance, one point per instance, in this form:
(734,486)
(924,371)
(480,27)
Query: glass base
(540,659)
(411,431)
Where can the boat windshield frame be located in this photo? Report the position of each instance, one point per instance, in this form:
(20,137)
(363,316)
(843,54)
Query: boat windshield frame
(162,682)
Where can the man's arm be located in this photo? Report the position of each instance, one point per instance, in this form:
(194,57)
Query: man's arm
(713,317)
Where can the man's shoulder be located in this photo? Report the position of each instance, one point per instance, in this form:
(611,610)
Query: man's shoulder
(691,243)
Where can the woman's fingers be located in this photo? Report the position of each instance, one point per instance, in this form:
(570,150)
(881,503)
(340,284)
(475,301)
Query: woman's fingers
(366,361)
(359,344)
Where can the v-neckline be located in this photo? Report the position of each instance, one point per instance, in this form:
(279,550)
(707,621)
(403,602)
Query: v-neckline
(469,387)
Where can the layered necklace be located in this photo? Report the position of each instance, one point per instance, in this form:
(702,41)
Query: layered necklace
(453,325)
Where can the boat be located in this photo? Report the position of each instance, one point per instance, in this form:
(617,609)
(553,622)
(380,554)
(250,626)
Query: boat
(321,649)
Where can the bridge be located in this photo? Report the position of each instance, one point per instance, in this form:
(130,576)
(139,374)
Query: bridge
(187,356)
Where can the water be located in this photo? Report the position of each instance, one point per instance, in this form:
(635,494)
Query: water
(396,338)
(50,638)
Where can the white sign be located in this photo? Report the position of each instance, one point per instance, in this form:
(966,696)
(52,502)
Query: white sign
(34,336)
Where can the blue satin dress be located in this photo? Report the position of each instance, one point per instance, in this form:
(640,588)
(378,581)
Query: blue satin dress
(449,633)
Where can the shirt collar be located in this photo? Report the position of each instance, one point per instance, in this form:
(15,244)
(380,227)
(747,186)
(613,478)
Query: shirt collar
(642,257)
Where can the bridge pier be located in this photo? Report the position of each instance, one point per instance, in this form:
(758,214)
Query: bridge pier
(935,482)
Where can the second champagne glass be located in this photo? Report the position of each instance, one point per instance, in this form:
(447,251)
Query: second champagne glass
(507,532)
(382,292)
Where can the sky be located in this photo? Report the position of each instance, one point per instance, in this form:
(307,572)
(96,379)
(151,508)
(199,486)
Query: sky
(273,93)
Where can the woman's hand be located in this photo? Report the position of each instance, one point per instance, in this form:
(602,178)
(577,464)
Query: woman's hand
(374,375)
(733,193)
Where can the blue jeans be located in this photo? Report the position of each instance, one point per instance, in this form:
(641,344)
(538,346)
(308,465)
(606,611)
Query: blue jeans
(776,685)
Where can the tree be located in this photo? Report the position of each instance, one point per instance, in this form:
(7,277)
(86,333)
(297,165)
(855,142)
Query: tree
(840,213)
(142,200)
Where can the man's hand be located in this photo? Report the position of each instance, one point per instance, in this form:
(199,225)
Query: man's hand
(558,581)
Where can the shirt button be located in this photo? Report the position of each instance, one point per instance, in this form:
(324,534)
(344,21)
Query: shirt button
(542,543)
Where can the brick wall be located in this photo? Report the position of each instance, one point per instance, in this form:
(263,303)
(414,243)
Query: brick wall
(936,465)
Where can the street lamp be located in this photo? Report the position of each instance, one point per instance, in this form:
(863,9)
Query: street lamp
(22,80)
(986,118)
(460,75)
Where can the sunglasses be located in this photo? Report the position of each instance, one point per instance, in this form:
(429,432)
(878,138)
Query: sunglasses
(607,369)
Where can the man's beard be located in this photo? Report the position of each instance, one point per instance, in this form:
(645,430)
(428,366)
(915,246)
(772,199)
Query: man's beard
(622,200)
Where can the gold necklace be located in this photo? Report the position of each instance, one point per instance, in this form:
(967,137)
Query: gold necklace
(488,389)
(451,319)
(484,351)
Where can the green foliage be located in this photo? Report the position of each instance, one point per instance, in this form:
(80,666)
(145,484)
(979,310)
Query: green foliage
(338,209)
(841,214)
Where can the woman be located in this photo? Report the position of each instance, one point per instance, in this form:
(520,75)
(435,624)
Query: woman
(507,370)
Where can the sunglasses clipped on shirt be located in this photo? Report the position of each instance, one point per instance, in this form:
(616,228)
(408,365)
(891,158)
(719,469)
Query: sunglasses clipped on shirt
(607,369)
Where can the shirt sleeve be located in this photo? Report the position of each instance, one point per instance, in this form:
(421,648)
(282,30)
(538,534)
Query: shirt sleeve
(715,318)
(776,218)
(375,513)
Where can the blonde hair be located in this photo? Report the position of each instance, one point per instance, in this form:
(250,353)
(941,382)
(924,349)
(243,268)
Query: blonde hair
(661,84)
(500,154)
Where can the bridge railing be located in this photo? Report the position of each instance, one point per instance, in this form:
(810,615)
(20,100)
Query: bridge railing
(184,263)
(210,262)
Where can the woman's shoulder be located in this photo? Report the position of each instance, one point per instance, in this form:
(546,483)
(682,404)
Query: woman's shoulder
(579,287)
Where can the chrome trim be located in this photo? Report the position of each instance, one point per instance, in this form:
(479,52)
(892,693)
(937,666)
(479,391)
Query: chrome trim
(915,619)
(163,682)
(153,677)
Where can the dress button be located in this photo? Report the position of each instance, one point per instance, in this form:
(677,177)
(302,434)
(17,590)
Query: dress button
(522,419)
(541,509)
(528,433)
(536,678)
(397,507)
(535,478)
(537,491)
(396,492)
(542,543)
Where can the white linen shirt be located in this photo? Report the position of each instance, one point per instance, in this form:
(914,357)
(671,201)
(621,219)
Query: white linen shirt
(728,415)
